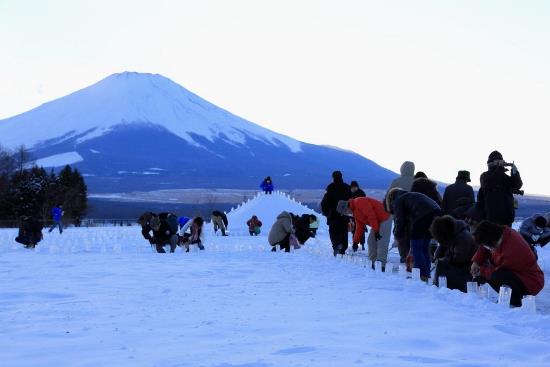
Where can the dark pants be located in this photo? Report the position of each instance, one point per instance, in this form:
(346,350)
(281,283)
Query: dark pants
(457,276)
(284,244)
(507,277)
(172,241)
(57,224)
(339,237)
(420,243)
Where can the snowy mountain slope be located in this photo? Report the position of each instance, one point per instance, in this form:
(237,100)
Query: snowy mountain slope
(118,128)
(127,98)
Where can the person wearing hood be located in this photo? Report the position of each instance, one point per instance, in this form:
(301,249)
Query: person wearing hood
(367,211)
(504,258)
(337,223)
(495,198)
(267,185)
(192,233)
(536,231)
(454,253)
(280,232)
(357,192)
(427,187)
(413,214)
(458,197)
(404,181)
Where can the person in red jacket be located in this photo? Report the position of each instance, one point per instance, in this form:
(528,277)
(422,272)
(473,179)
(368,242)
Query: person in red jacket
(370,212)
(254,226)
(504,258)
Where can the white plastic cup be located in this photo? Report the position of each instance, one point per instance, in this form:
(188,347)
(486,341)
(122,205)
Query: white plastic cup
(483,290)
(415,274)
(402,270)
(528,304)
(471,288)
(504,296)
(442,280)
(378,267)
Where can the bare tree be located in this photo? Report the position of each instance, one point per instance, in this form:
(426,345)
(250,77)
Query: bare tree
(23,158)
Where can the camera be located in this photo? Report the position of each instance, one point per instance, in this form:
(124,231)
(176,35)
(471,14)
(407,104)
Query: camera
(500,163)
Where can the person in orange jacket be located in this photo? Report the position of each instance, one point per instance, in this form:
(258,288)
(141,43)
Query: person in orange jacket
(504,258)
(370,212)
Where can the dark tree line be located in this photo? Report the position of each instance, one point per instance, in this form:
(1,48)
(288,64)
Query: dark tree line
(26,189)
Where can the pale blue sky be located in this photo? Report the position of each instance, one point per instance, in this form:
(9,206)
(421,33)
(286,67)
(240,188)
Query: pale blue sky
(441,83)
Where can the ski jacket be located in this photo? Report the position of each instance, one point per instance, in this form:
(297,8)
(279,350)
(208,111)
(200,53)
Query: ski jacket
(336,191)
(408,207)
(427,187)
(513,254)
(406,179)
(367,212)
(57,214)
(195,231)
(457,195)
(460,250)
(252,223)
(529,229)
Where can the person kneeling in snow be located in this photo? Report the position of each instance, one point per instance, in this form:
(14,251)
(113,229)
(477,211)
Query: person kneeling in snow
(254,226)
(30,231)
(536,231)
(454,253)
(192,233)
(504,258)
(281,231)
(367,211)
(164,227)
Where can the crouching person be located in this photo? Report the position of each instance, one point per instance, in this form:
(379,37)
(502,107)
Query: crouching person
(504,258)
(219,221)
(281,231)
(164,228)
(192,233)
(254,226)
(535,231)
(367,211)
(454,253)
(30,231)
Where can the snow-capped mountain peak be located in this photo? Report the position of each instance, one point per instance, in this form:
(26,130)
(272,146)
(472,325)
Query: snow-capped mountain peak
(133,98)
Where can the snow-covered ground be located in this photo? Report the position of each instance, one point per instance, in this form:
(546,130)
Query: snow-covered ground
(101,297)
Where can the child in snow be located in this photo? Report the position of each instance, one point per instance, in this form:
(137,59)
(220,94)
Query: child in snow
(192,233)
(254,226)
(267,185)
(57,215)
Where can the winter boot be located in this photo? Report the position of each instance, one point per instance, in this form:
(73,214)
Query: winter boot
(273,249)
(355,247)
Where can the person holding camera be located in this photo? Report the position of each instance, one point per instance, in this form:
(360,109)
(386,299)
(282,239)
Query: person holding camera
(495,198)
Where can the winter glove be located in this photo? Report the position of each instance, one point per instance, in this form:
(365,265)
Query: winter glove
(377,236)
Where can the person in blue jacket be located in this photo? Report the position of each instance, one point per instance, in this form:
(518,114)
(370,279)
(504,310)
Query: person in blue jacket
(57,215)
(267,185)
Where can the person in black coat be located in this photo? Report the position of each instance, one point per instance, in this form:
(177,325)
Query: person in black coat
(164,228)
(454,254)
(219,221)
(427,187)
(338,224)
(495,198)
(458,197)
(413,214)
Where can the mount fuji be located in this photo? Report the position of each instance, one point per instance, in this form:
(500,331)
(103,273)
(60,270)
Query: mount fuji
(137,131)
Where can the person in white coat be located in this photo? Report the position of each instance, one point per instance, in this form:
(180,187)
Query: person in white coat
(192,233)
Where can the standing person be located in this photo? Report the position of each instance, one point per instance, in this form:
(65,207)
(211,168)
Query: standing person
(219,221)
(267,185)
(413,214)
(367,211)
(280,232)
(454,253)
(458,197)
(504,258)
(57,216)
(337,223)
(254,226)
(404,181)
(427,187)
(192,233)
(495,199)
